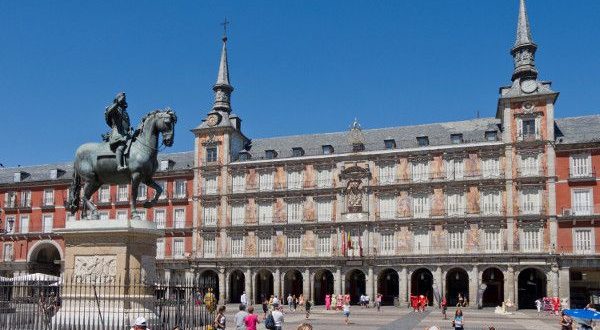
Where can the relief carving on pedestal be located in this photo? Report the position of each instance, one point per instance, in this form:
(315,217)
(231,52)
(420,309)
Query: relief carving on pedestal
(98,267)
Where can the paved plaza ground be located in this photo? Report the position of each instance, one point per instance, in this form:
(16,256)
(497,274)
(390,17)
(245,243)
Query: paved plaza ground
(404,319)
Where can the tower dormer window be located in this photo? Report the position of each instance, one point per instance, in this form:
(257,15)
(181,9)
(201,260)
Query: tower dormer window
(297,152)
(390,143)
(211,154)
(270,154)
(423,141)
(456,138)
(327,149)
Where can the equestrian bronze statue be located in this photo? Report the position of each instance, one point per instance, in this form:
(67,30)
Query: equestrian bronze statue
(122,158)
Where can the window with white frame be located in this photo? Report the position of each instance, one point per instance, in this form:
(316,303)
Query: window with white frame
(210,184)
(421,242)
(26,198)
(324,179)
(237,247)
(180,188)
(455,169)
(265,181)
(265,213)
(582,201)
(528,128)
(179,218)
(293,246)
(530,165)
(8,252)
(122,193)
(24,224)
(142,192)
(387,207)
(239,182)
(324,246)
(580,165)
(47,223)
(121,215)
(531,239)
(490,167)
(493,240)
(386,244)
(387,173)
(178,248)
(420,206)
(420,171)
(324,210)
(456,204)
(160,248)
(48,197)
(211,154)
(160,218)
(163,185)
(583,239)
(103,215)
(209,247)
(9,224)
(238,213)
(10,199)
(456,241)
(264,247)
(294,212)
(491,202)
(530,201)
(295,180)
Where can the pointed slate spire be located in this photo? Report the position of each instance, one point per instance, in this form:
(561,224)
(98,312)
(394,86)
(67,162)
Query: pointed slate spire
(222,87)
(523,51)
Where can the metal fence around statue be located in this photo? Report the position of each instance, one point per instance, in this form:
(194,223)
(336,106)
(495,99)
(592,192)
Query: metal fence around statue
(47,302)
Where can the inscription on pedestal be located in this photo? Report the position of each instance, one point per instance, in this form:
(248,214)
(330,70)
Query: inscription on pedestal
(98,267)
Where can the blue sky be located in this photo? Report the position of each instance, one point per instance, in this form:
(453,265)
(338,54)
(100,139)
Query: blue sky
(297,66)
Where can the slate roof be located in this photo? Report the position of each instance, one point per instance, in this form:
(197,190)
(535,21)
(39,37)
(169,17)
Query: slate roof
(404,136)
(36,173)
(578,129)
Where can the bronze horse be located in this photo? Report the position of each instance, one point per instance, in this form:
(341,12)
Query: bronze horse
(95,164)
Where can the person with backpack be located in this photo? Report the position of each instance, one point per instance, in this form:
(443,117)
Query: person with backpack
(270,321)
(278,317)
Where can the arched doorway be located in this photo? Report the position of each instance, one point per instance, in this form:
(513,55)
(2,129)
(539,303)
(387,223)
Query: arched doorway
(323,286)
(45,259)
(457,283)
(263,285)
(355,285)
(388,285)
(208,279)
(421,283)
(292,284)
(494,292)
(532,286)
(237,285)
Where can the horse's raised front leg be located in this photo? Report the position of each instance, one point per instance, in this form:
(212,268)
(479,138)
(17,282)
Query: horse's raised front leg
(158,190)
(135,183)
(88,190)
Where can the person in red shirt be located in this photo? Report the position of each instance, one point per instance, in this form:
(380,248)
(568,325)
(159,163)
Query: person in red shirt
(444,306)
(251,320)
(422,303)
(414,302)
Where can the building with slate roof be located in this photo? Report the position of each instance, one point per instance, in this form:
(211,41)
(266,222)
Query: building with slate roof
(495,209)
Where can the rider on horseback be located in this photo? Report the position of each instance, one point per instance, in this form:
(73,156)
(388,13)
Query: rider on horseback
(118,120)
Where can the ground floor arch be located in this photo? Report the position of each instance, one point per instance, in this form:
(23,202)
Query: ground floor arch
(45,258)
(457,287)
(323,285)
(421,283)
(355,285)
(292,284)
(237,286)
(388,286)
(263,285)
(493,295)
(208,281)
(531,286)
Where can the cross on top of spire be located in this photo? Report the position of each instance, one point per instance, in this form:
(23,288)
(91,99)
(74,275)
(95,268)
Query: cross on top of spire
(225,23)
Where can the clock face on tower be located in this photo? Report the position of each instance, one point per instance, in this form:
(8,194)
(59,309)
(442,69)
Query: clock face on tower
(529,85)
(213,119)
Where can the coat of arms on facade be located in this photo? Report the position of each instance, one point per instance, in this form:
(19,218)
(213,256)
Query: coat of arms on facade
(353,177)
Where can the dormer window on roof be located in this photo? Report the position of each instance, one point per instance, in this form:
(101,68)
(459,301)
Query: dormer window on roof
(244,155)
(390,143)
(327,149)
(165,164)
(297,152)
(19,176)
(491,136)
(456,138)
(270,154)
(55,173)
(423,141)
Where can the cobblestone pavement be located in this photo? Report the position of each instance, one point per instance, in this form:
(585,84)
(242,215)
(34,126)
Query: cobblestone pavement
(404,319)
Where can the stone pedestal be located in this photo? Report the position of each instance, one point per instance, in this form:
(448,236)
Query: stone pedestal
(109,269)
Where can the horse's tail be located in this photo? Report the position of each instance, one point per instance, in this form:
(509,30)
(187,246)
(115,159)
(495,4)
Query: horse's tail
(74,193)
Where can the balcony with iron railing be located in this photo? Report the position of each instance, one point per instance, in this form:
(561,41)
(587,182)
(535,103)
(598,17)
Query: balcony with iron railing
(454,212)
(436,177)
(280,186)
(580,211)
(530,171)
(532,211)
(582,175)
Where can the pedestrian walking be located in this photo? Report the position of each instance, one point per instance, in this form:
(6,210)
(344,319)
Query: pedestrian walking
(566,323)
(251,320)
(378,300)
(444,307)
(220,320)
(327,302)
(239,318)
(301,301)
(277,317)
(458,322)
(265,307)
(244,299)
(307,307)
(346,312)
(295,302)
(290,302)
